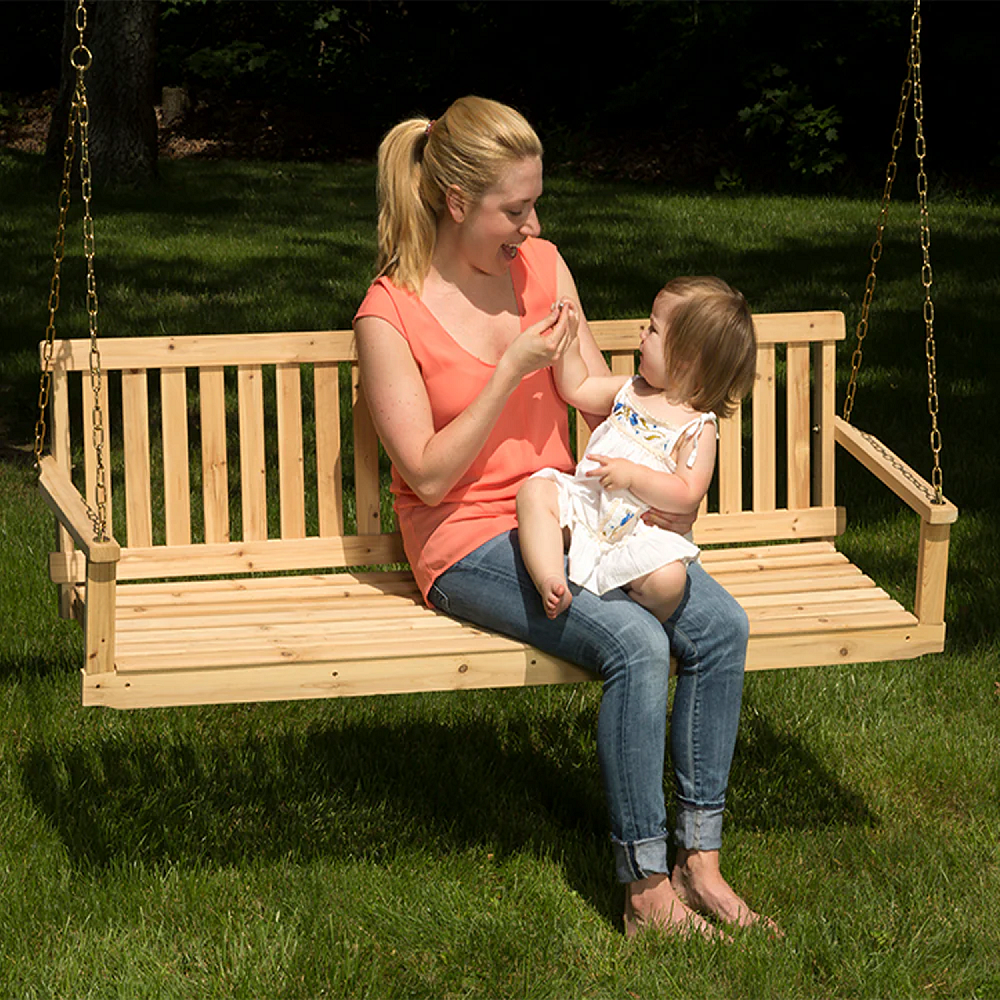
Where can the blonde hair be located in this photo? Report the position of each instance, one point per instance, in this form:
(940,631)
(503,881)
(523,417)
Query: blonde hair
(468,147)
(710,344)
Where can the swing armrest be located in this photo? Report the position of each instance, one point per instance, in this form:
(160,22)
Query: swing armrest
(935,518)
(68,505)
(908,485)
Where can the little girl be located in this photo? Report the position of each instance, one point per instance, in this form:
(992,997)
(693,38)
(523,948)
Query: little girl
(697,359)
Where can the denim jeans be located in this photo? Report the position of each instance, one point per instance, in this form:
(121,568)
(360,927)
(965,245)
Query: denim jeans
(630,650)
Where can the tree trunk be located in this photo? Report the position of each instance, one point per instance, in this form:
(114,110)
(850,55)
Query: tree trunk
(121,35)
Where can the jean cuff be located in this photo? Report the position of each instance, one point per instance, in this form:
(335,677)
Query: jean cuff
(698,829)
(639,858)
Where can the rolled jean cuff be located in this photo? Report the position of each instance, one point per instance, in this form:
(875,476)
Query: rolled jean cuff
(639,858)
(698,829)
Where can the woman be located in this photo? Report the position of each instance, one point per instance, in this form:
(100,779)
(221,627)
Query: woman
(455,342)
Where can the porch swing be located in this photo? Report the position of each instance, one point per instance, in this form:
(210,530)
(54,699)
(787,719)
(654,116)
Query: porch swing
(182,613)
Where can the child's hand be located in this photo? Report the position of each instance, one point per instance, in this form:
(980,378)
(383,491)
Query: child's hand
(572,316)
(614,473)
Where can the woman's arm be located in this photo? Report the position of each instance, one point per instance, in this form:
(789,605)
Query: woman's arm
(430,461)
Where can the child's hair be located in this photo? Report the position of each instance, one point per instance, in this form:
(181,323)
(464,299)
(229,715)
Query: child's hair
(469,146)
(710,344)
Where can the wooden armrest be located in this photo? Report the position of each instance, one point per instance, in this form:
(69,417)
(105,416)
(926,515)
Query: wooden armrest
(908,485)
(69,508)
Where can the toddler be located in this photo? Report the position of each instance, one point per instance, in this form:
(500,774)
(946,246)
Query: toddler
(697,360)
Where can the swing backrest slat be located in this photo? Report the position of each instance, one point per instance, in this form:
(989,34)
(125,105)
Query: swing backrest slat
(290,456)
(764,431)
(253,463)
(214,463)
(329,495)
(135,436)
(797,438)
(824,406)
(176,467)
(730,462)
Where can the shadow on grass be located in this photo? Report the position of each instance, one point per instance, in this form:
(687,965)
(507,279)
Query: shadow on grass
(235,787)
(29,666)
(777,784)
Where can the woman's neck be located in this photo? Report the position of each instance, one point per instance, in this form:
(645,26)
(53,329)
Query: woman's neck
(452,275)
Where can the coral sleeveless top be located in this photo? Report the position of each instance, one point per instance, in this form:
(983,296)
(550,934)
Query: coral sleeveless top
(531,433)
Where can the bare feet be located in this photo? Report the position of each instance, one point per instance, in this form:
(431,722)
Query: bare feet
(652,903)
(698,882)
(556,596)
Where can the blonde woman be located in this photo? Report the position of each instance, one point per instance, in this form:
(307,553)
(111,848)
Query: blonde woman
(456,339)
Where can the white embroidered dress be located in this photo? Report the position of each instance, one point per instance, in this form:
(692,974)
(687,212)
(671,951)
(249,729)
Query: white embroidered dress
(610,544)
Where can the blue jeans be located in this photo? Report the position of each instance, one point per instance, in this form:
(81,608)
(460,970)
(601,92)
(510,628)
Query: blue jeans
(630,651)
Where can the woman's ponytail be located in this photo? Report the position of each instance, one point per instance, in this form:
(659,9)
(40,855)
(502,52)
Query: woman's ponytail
(406,223)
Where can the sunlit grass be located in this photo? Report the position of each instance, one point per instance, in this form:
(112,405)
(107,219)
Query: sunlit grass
(455,845)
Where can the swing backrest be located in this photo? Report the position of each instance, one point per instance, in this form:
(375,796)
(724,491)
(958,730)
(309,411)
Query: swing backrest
(256,453)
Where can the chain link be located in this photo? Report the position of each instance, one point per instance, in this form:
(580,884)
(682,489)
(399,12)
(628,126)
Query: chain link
(912,85)
(80,59)
(926,272)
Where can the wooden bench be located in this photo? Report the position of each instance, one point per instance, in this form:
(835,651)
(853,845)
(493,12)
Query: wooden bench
(249,571)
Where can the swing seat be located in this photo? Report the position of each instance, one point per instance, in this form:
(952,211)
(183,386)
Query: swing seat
(261,565)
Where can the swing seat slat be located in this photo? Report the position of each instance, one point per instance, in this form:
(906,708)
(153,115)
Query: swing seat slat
(261,565)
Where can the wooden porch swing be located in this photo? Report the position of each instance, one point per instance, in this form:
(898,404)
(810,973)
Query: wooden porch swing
(301,606)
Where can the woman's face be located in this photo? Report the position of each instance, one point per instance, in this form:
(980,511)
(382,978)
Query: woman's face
(493,228)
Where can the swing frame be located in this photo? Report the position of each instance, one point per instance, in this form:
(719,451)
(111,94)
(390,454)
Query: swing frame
(311,600)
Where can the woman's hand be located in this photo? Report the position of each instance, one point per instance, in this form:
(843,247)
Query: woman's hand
(543,342)
(679,523)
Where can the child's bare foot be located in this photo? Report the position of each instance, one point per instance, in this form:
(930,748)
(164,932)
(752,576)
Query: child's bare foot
(556,596)
(699,884)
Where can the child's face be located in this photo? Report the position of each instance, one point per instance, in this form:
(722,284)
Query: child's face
(652,349)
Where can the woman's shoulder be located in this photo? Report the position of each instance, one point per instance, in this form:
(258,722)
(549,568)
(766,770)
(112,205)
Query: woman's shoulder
(536,250)
(387,301)
(380,292)
(539,260)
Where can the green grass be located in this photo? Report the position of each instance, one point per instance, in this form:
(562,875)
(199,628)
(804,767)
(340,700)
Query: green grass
(455,845)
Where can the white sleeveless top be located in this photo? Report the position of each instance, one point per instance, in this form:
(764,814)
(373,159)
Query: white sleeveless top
(610,545)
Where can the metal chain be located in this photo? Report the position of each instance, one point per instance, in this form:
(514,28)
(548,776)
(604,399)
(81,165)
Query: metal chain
(80,59)
(926,273)
(917,482)
(58,252)
(911,85)
(876,253)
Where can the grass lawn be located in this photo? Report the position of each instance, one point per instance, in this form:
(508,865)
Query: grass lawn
(455,845)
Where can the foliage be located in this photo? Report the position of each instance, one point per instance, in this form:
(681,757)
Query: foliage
(249,49)
(785,111)
(667,79)
(728,180)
